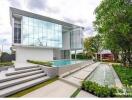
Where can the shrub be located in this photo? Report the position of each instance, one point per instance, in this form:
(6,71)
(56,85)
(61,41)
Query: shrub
(6,64)
(98,90)
(49,64)
(5,57)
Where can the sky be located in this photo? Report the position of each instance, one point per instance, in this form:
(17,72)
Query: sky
(79,12)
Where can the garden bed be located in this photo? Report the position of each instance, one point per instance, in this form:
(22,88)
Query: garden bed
(2,64)
(124,73)
(6,65)
(44,63)
(98,90)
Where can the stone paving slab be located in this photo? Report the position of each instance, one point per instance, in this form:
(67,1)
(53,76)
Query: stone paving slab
(80,75)
(83,94)
(91,67)
(55,89)
(23,64)
(63,89)
(74,80)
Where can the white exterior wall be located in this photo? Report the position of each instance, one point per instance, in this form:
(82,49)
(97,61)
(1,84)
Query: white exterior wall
(31,53)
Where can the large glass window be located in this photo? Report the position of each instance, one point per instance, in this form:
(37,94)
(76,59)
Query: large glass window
(17,33)
(41,33)
(76,39)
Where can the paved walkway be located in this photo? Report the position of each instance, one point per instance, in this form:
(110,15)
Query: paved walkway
(80,75)
(3,72)
(55,89)
(63,89)
(83,94)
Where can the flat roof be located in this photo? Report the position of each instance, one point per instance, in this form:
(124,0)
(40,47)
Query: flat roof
(15,12)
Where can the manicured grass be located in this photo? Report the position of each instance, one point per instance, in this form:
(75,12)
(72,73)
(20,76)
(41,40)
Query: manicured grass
(26,91)
(75,93)
(2,64)
(45,63)
(124,73)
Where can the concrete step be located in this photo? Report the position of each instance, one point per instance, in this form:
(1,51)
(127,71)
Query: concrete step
(68,82)
(22,71)
(27,67)
(14,89)
(20,75)
(20,80)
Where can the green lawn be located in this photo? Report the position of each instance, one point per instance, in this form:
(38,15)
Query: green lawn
(124,73)
(26,91)
(44,63)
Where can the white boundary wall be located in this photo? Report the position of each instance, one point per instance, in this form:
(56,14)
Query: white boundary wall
(31,53)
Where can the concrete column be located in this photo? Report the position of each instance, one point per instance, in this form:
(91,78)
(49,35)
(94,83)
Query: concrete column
(70,54)
(96,57)
(75,55)
(100,57)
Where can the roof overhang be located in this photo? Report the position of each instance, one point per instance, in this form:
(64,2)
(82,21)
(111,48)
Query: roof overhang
(19,13)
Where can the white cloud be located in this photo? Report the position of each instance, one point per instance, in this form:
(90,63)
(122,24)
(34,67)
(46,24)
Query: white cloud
(74,10)
(4,16)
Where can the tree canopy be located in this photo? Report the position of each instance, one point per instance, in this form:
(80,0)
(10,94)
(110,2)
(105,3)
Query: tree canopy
(92,45)
(114,24)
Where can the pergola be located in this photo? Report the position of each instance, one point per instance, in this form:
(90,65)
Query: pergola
(105,55)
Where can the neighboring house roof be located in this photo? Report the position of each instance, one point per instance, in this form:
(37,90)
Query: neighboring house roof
(105,52)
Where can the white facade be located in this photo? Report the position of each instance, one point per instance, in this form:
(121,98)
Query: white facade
(30,53)
(37,37)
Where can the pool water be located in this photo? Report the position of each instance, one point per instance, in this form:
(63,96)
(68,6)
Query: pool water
(62,63)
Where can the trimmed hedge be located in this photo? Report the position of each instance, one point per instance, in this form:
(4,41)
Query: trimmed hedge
(6,64)
(81,56)
(49,64)
(98,90)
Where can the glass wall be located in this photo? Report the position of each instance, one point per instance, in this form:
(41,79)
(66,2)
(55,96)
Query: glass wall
(17,31)
(41,33)
(76,39)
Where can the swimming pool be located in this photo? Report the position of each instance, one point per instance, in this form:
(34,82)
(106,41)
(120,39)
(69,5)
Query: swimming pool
(62,63)
(62,67)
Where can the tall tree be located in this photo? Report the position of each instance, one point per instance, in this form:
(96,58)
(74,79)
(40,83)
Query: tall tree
(114,24)
(92,45)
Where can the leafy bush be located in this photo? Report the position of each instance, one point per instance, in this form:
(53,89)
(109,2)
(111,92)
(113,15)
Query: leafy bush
(98,90)
(49,64)
(6,64)
(5,57)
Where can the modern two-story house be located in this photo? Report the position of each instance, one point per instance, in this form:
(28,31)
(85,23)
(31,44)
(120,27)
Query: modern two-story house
(39,37)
